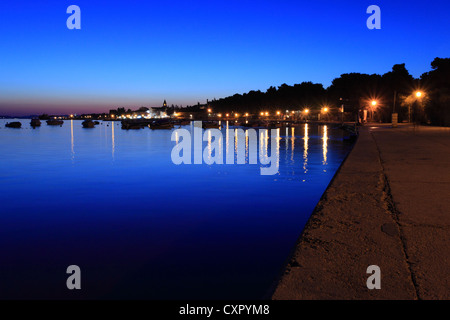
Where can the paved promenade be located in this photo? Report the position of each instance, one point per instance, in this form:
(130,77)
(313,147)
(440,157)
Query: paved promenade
(389,205)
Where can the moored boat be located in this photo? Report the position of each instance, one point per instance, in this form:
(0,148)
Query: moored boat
(161,125)
(55,122)
(211,125)
(132,124)
(88,124)
(35,123)
(15,124)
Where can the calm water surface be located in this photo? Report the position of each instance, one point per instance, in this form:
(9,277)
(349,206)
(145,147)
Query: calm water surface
(112,202)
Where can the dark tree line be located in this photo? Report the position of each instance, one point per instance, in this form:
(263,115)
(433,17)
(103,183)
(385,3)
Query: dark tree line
(355,91)
(437,85)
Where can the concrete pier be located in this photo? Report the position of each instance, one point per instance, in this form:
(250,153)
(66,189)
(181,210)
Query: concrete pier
(388,205)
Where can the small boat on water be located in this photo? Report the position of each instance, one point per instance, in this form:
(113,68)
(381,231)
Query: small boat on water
(211,125)
(276,124)
(182,122)
(35,123)
(161,125)
(88,124)
(55,122)
(252,124)
(15,124)
(132,124)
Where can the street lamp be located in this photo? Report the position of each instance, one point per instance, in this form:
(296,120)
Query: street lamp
(374,104)
(306,111)
(324,111)
(419,95)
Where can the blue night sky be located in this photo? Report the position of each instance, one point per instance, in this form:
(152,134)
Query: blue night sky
(133,53)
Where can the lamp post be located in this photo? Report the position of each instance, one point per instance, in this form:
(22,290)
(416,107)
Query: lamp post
(419,96)
(325,111)
(394,118)
(373,103)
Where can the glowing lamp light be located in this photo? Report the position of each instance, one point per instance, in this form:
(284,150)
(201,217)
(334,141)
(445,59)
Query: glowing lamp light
(325,109)
(267,113)
(418,94)
(236,115)
(306,110)
(262,113)
(227,115)
(209,110)
(278,112)
(219,115)
(374,103)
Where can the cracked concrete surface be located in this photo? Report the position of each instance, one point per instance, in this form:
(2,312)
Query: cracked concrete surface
(388,206)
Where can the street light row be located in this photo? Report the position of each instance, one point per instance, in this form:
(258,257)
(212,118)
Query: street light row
(418,94)
(306,111)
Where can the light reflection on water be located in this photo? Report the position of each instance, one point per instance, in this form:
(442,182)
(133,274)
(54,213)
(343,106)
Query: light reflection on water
(245,147)
(112,202)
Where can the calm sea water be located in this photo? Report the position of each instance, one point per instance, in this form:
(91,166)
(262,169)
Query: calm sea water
(112,202)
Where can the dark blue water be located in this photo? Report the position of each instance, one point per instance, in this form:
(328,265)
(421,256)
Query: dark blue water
(112,202)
